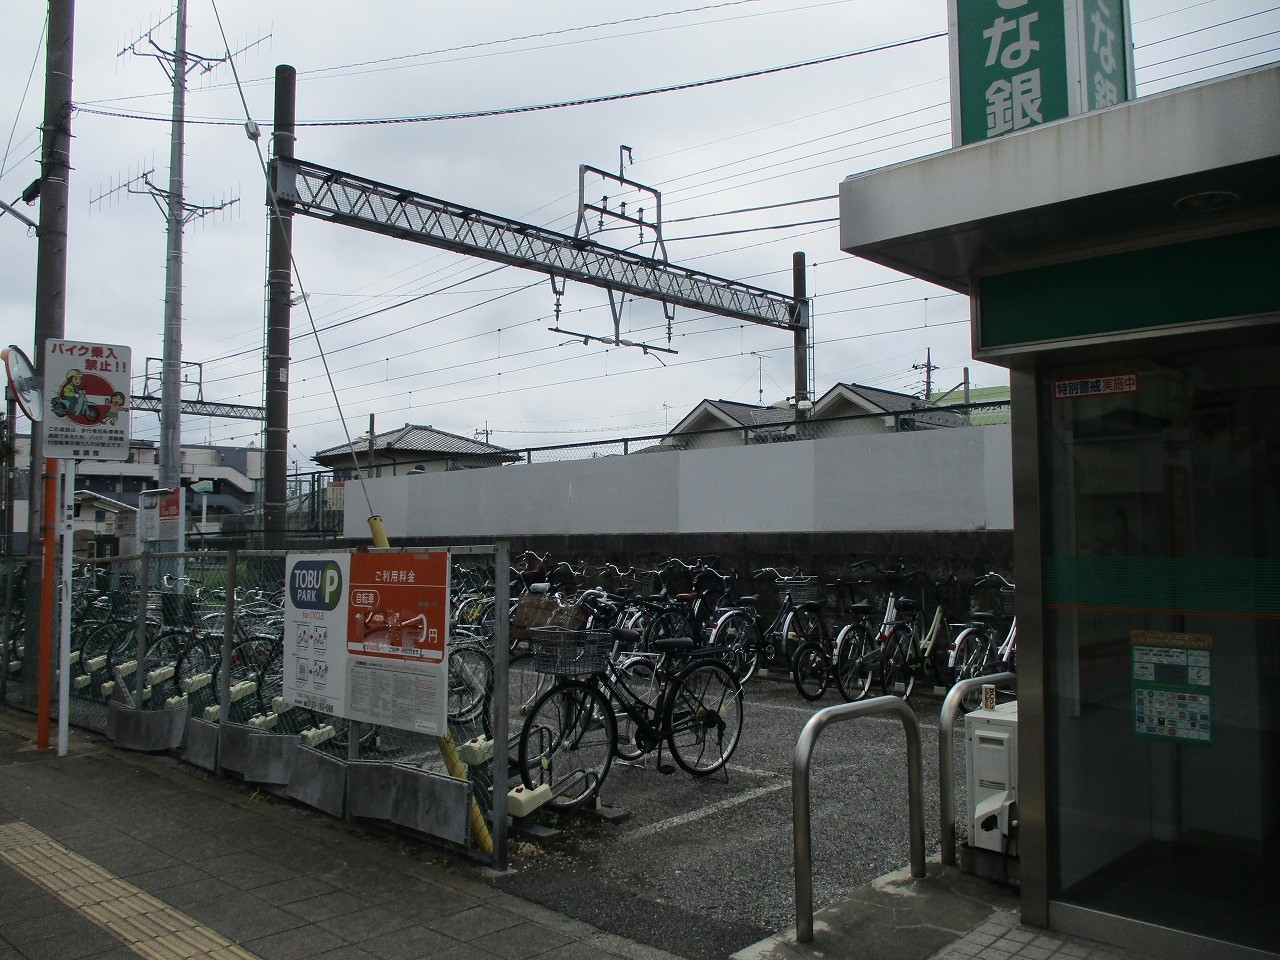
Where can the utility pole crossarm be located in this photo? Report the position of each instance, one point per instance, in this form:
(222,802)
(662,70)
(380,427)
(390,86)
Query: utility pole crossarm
(329,194)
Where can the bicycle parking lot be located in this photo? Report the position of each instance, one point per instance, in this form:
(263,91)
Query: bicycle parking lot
(699,866)
(703,868)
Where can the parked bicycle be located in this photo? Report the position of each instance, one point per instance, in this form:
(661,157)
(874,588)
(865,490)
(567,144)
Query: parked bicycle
(570,735)
(738,630)
(989,643)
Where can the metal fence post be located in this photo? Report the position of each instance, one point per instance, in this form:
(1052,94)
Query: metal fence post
(946,762)
(501,702)
(801,836)
(144,588)
(228,638)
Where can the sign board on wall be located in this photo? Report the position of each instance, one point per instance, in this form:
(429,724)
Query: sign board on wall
(366,637)
(1020,63)
(86,399)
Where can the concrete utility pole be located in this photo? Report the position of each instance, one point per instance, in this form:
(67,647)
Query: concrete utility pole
(279,291)
(171,371)
(51,285)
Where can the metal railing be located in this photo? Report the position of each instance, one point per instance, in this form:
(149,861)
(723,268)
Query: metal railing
(800,795)
(946,759)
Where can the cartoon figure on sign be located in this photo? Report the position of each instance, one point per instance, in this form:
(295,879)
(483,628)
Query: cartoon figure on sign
(73,400)
(114,405)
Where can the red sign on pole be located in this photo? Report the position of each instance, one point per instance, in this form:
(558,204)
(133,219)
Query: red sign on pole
(398,606)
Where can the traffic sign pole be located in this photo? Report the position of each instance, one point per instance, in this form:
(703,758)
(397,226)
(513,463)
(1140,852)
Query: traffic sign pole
(64,646)
(45,673)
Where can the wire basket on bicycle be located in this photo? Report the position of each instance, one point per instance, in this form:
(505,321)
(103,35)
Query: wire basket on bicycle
(570,653)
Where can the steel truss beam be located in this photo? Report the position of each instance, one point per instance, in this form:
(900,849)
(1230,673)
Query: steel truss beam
(329,194)
(200,408)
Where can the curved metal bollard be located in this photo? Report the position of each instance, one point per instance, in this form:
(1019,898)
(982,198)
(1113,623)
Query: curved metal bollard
(946,762)
(800,795)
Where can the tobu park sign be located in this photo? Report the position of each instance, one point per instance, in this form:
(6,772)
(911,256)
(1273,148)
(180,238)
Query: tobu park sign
(1017,64)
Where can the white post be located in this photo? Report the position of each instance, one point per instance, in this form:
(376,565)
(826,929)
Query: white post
(64,646)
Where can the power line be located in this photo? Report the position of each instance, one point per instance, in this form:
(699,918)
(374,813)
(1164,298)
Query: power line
(775,226)
(559,105)
(4,161)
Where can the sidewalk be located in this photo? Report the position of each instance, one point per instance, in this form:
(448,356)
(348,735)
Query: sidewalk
(107,855)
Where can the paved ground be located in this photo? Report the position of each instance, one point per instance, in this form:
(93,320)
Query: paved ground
(105,854)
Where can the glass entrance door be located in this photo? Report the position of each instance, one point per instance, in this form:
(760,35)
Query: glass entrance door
(1161,513)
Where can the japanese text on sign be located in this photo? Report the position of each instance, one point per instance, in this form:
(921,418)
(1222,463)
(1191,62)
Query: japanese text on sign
(1095,386)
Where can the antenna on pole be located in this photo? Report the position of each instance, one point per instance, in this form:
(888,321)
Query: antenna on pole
(177,64)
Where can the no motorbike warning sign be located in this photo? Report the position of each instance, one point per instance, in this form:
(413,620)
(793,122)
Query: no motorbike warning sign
(366,637)
(86,398)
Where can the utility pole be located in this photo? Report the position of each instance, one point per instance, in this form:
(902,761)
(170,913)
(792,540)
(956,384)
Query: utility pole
(51,294)
(928,369)
(799,292)
(171,371)
(279,303)
(177,64)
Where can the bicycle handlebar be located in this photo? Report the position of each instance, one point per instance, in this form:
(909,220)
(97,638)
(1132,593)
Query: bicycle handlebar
(992,575)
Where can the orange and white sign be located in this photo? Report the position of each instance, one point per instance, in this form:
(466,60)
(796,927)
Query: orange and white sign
(398,605)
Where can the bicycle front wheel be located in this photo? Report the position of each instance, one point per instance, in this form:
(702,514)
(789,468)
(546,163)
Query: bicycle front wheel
(897,676)
(853,662)
(737,634)
(809,671)
(668,624)
(640,678)
(702,717)
(470,680)
(568,742)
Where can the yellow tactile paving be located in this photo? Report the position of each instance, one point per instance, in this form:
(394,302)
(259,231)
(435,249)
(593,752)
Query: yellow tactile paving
(149,927)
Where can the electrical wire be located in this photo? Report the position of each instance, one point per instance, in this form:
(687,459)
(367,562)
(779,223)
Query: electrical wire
(4,161)
(541,107)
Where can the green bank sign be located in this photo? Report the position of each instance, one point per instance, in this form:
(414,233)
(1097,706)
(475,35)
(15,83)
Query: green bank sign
(1020,63)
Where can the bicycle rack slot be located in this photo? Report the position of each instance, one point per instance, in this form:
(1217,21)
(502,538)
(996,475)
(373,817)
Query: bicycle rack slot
(801,836)
(946,758)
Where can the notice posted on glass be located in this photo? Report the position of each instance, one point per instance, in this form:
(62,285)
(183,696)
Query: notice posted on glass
(407,696)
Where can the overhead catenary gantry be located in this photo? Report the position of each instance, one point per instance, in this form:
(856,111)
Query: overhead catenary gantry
(299,187)
(329,194)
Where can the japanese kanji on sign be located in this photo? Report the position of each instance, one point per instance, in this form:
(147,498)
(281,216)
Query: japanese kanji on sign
(366,637)
(1016,64)
(86,399)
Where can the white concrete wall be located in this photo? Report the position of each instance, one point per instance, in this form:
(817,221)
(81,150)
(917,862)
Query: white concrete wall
(931,480)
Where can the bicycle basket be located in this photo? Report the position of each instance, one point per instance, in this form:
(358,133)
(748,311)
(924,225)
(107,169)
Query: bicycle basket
(641,585)
(570,653)
(800,592)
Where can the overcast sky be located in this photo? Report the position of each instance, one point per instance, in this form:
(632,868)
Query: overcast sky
(469,348)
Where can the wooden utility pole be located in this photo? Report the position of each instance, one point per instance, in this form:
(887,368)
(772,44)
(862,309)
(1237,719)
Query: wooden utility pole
(50,324)
(799,291)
